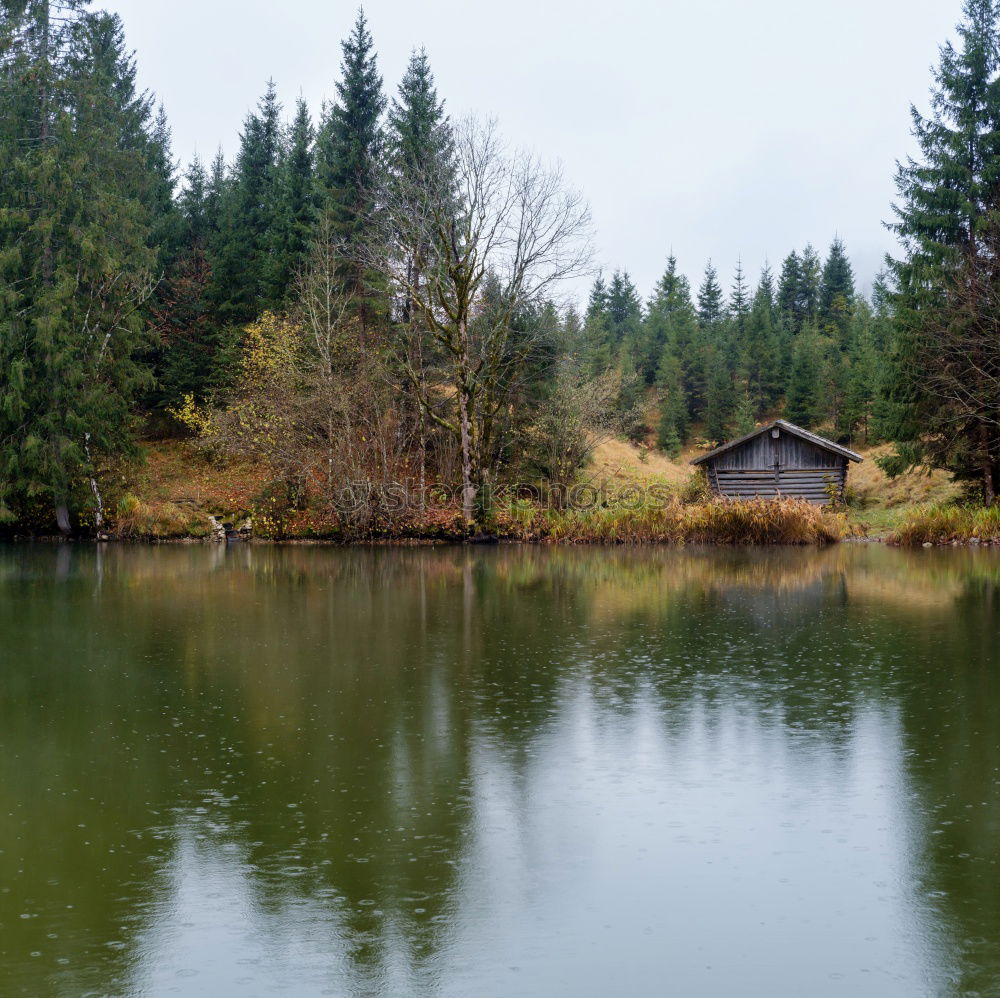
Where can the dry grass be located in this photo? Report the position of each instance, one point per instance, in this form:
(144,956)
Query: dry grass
(947,523)
(618,461)
(873,487)
(176,471)
(134,519)
(717,521)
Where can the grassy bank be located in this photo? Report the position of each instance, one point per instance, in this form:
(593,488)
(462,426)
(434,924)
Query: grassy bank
(175,492)
(947,523)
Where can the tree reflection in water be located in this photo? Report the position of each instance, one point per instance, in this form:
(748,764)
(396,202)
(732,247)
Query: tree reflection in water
(520,770)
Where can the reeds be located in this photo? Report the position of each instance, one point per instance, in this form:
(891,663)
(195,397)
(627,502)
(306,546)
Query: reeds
(715,521)
(133,519)
(948,523)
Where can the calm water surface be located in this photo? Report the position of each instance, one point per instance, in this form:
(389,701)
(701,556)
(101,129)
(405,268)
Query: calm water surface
(448,772)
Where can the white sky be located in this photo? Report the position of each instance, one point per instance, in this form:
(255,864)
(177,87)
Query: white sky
(718,128)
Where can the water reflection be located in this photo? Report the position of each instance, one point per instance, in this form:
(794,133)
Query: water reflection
(255,770)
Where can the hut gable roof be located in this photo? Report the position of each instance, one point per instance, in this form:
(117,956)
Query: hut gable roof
(797,431)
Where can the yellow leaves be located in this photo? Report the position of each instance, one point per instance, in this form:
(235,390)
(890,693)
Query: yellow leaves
(269,348)
(191,416)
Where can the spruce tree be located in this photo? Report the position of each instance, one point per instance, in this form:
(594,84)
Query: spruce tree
(762,358)
(75,259)
(419,134)
(837,295)
(863,378)
(185,361)
(245,272)
(350,161)
(809,289)
(297,200)
(720,401)
(941,409)
(802,403)
(789,293)
(672,427)
(711,309)
(739,302)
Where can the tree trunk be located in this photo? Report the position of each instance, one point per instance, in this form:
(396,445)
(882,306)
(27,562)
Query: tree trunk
(468,485)
(98,501)
(989,493)
(62,518)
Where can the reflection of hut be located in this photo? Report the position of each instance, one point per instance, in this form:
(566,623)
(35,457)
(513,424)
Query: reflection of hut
(779,459)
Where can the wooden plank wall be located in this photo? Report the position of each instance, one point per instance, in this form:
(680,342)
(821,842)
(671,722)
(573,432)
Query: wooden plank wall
(786,466)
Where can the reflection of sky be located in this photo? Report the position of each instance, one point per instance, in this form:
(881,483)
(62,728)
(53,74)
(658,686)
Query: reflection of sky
(520,771)
(717,850)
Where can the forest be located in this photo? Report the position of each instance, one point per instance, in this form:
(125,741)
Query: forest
(372,294)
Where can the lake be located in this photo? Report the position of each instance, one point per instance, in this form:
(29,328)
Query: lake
(256,770)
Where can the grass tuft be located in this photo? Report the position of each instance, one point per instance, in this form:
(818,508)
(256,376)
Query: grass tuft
(945,523)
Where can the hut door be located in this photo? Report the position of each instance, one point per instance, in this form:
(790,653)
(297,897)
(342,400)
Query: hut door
(776,457)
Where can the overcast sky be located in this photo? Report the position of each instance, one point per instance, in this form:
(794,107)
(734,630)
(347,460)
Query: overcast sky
(718,128)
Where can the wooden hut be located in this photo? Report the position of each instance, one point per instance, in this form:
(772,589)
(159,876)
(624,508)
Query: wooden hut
(779,459)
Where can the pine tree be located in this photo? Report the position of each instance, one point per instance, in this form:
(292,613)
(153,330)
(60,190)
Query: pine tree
(350,161)
(837,295)
(75,260)
(942,408)
(744,418)
(720,401)
(297,200)
(711,310)
(789,293)
(739,302)
(672,427)
(809,289)
(419,134)
(802,403)
(245,278)
(863,378)
(762,357)
(185,361)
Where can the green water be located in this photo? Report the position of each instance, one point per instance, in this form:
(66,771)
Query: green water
(512,771)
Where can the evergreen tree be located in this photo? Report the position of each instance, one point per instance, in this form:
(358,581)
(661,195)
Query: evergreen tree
(215,195)
(597,345)
(349,154)
(673,324)
(720,401)
(762,357)
(622,308)
(863,378)
(75,261)
(942,408)
(166,227)
(420,147)
(809,289)
(837,295)
(744,418)
(739,302)
(802,403)
(419,134)
(297,199)
(711,309)
(245,278)
(672,427)
(185,360)
(789,289)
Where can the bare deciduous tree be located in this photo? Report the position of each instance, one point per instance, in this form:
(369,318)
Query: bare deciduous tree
(487,216)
